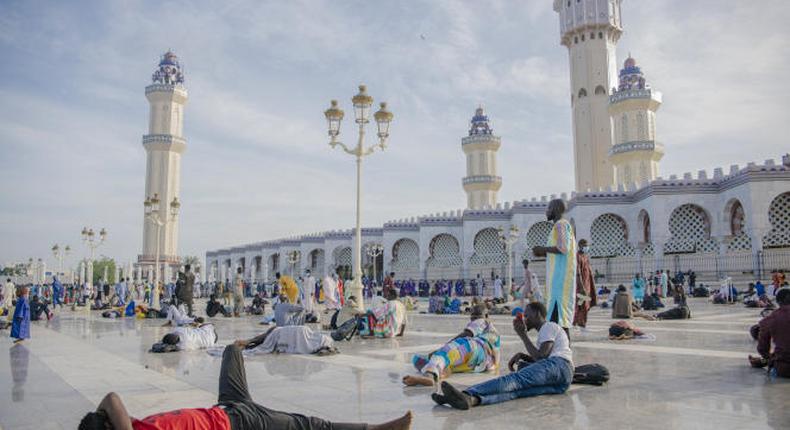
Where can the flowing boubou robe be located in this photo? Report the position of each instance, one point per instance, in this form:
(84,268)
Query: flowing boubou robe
(585,290)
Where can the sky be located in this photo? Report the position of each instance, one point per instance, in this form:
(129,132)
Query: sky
(261,73)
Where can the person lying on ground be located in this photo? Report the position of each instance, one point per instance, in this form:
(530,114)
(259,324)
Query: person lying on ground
(177,316)
(775,330)
(188,338)
(291,339)
(235,410)
(550,370)
(474,350)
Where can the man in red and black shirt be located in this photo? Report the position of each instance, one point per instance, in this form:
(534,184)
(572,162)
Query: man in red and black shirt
(235,410)
(775,328)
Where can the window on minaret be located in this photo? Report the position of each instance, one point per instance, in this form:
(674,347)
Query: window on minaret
(624,128)
(640,126)
(482,169)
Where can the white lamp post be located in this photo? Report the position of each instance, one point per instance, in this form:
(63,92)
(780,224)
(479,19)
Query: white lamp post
(90,240)
(334,115)
(374,251)
(508,239)
(293,258)
(159,216)
(60,255)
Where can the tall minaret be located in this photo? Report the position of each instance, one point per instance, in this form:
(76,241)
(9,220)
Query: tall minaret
(164,145)
(633,107)
(590,29)
(481,182)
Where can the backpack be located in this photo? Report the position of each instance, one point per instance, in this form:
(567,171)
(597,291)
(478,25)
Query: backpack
(591,374)
(364,325)
(346,330)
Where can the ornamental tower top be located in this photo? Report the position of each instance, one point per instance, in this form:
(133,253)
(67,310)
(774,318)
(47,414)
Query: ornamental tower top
(480,146)
(632,107)
(590,30)
(169,71)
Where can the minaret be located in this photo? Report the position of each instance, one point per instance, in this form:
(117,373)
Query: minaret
(164,145)
(632,108)
(481,182)
(590,30)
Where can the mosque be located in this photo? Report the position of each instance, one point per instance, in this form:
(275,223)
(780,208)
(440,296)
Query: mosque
(730,222)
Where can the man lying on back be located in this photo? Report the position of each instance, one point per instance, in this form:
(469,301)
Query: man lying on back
(235,410)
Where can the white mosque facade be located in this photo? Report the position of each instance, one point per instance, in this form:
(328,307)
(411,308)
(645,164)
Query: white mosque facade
(732,221)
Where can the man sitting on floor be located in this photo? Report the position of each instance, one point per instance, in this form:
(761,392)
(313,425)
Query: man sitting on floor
(235,410)
(213,307)
(775,329)
(551,370)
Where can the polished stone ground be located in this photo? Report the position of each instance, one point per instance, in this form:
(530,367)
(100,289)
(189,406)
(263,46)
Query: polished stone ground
(693,375)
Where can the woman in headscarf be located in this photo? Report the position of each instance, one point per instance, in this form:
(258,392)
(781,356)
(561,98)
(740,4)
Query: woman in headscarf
(474,350)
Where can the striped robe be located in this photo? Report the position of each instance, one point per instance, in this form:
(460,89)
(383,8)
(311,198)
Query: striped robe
(561,274)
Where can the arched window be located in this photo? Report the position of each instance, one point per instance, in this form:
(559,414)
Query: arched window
(600,35)
(599,90)
(582,93)
(592,35)
(582,38)
(575,39)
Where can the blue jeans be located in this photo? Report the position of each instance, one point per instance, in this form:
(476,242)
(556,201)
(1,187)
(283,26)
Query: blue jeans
(549,376)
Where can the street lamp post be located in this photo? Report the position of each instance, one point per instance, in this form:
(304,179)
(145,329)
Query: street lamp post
(293,258)
(508,239)
(334,115)
(60,255)
(159,216)
(374,251)
(90,240)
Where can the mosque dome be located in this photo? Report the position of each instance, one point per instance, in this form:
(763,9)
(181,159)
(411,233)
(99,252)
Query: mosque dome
(169,59)
(480,123)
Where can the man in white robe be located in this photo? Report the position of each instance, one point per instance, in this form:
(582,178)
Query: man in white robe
(307,292)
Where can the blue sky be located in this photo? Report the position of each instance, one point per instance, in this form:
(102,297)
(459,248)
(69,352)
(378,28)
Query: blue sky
(260,74)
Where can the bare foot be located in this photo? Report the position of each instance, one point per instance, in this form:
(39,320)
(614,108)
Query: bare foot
(402,423)
(414,380)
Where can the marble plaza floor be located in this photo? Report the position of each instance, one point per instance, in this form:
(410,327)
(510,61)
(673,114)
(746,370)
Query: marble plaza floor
(693,375)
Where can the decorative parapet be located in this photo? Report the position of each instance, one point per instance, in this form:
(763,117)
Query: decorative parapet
(645,93)
(640,145)
(482,179)
(166,88)
(163,138)
(481,138)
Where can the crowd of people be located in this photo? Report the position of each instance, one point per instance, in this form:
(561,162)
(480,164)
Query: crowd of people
(300,308)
